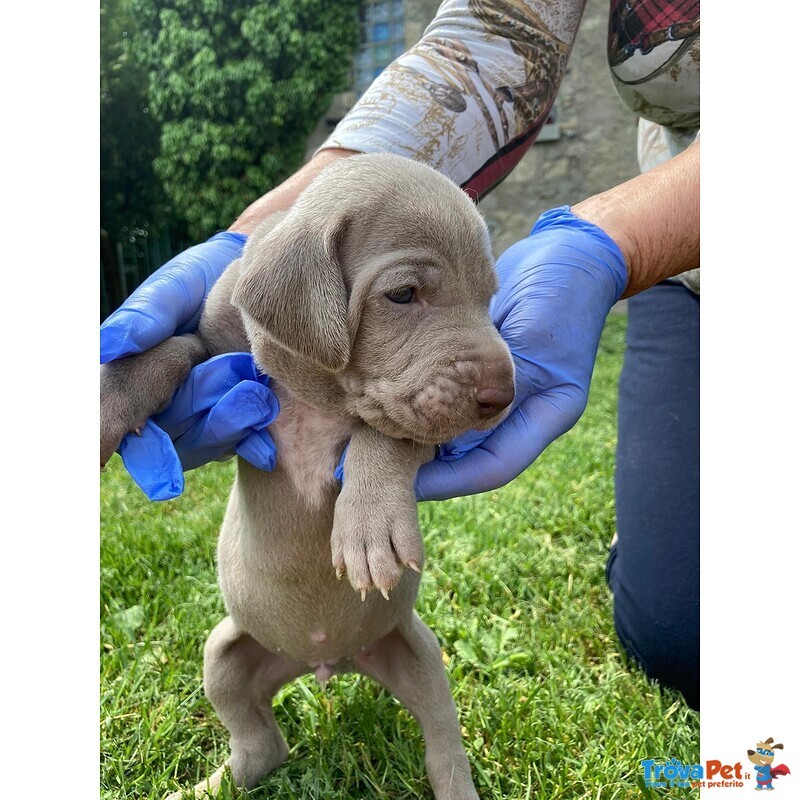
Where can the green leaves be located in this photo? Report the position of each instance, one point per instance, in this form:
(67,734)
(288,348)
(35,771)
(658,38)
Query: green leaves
(237,86)
(129,191)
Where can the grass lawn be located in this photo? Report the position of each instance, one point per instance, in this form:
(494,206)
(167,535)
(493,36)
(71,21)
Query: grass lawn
(514,588)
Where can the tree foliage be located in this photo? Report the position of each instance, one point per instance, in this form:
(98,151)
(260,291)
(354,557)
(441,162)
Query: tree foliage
(237,86)
(130,192)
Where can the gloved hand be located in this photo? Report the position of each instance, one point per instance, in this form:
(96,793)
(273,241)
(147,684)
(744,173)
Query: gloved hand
(556,289)
(169,302)
(223,405)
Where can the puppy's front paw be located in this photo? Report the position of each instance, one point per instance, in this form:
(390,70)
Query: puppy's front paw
(119,415)
(132,389)
(373,540)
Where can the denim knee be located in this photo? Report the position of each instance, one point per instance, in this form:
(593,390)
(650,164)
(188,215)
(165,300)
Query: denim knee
(659,629)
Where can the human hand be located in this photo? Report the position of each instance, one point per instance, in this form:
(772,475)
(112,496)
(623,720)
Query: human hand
(169,302)
(223,405)
(556,289)
(222,408)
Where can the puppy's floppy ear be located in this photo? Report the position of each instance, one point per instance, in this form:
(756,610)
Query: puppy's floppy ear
(292,286)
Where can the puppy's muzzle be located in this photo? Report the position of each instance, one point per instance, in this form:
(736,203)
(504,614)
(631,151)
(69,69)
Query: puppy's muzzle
(494,389)
(474,393)
(493,399)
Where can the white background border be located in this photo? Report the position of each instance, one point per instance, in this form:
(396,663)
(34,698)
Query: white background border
(750,440)
(750,379)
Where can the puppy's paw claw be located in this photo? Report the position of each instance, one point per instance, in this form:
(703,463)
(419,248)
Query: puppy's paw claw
(372,543)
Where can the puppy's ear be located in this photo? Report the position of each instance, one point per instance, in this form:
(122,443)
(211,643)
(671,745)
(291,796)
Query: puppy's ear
(292,286)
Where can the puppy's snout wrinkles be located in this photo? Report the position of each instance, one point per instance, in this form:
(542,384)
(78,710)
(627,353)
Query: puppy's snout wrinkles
(473,390)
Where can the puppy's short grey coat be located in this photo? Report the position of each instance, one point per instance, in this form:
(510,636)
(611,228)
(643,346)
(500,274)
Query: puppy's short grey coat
(367,304)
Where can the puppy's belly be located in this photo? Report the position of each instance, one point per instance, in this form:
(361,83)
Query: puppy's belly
(280,587)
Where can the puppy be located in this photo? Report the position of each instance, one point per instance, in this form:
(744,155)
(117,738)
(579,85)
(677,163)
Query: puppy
(367,304)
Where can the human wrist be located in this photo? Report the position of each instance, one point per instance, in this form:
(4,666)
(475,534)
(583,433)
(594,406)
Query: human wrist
(283,197)
(589,247)
(654,218)
(607,217)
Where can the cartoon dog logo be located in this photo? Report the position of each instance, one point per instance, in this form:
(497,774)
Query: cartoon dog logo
(762,757)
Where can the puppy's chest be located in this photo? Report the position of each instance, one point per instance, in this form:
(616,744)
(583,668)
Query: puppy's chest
(310,445)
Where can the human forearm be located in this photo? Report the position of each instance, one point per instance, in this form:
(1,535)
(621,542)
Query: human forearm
(654,219)
(283,197)
(472,95)
(479,81)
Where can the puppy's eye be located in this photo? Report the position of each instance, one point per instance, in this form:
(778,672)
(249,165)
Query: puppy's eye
(405,294)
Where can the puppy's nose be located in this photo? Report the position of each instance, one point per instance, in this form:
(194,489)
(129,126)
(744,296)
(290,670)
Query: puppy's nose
(493,399)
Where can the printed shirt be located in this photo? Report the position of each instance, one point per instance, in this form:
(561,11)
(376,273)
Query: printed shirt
(472,95)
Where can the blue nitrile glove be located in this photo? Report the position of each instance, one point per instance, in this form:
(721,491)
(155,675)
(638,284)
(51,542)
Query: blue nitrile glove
(556,289)
(169,302)
(223,407)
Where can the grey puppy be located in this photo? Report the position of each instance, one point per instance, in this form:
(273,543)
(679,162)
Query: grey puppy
(367,304)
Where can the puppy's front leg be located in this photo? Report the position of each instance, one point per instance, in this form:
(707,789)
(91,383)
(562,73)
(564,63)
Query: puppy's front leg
(375,527)
(134,388)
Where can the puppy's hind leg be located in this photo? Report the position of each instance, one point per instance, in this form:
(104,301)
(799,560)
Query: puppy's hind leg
(408,662)
(132,389)
(240,678)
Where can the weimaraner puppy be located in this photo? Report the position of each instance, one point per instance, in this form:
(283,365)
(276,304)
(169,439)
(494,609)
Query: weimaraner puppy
(367,304)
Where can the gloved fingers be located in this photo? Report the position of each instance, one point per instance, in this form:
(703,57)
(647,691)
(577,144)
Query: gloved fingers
(259,450)
(507,452)
(338,473)
(153,463)
(441,480)
(247,407)
(199,268)
(206,385)
(461,445)
(170,300)
(131,330)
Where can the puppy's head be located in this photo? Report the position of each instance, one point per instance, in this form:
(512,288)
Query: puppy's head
(377,285)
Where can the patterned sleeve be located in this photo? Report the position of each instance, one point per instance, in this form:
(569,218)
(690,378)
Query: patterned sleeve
(472,95)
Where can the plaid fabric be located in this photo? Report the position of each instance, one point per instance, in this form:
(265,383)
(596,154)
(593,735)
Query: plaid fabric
(633,22)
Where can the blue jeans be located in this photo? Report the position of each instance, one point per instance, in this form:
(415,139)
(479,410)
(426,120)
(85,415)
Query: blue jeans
(654,568)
